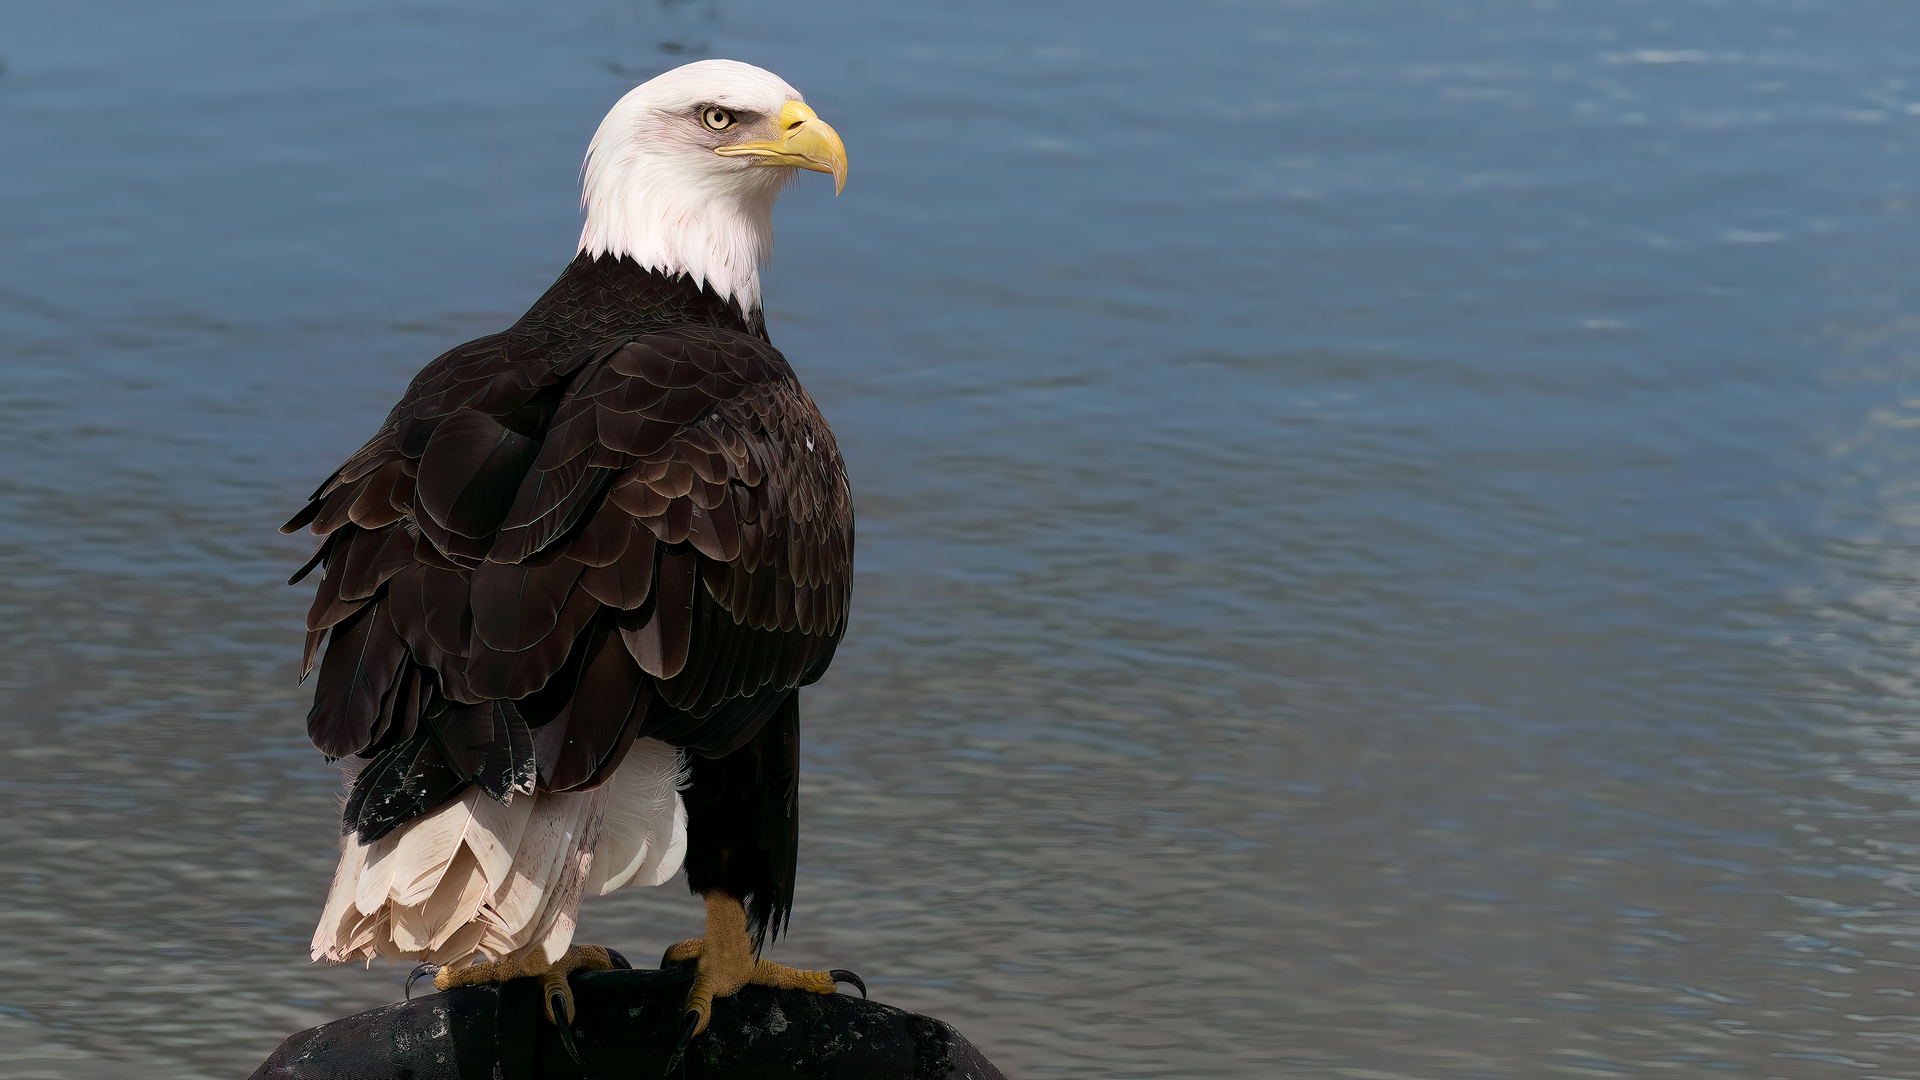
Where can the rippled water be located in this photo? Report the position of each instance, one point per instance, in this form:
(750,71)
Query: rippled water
(1390,531)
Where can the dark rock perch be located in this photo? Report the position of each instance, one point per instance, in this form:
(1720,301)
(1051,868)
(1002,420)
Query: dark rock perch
(626,1027)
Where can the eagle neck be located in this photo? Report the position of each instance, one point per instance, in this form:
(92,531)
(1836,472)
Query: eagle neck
(596,300)
(717,230)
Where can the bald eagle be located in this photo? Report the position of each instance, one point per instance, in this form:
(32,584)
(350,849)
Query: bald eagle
(575,581)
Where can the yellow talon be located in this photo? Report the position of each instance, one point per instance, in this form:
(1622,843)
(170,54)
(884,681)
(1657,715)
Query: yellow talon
(782,977)
(700,1007)
(553,977)
(727,963)
(686,950)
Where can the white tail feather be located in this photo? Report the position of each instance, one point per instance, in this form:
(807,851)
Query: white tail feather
(426,926)
(462,945)
(495,835)
(376,877)
(428,846)
(553,931)
(332,928)
(645,829)
(475,876)
(518,900)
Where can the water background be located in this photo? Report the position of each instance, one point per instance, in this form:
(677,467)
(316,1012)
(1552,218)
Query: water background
(1387,528)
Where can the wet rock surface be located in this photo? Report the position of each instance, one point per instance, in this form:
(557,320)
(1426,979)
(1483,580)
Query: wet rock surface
(626,1025)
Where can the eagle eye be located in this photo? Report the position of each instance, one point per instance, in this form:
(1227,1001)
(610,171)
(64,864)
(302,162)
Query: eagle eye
(716,118)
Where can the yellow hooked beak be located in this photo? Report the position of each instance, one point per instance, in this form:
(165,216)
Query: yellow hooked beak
(805,142)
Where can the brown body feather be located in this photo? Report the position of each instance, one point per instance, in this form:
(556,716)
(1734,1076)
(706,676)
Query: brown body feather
(622,517)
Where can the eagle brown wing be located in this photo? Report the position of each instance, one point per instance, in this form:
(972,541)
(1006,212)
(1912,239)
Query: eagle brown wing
(536,562)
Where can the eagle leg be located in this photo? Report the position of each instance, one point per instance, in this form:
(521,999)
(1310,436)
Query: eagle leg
(727,963)
(556,994)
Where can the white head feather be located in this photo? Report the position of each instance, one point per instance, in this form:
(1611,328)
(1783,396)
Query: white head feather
(655,191)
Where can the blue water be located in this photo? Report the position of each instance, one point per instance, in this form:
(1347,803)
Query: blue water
(1390,542)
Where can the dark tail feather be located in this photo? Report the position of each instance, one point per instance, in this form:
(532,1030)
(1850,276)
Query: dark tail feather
(402,783)
(487,744)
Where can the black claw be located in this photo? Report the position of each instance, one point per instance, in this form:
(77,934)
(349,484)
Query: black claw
(619,962)
(421,972)
(558,1004)
(686,1030)
(666,958)
(845,976)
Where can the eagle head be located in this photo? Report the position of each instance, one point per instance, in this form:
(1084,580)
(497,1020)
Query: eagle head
(682,174)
